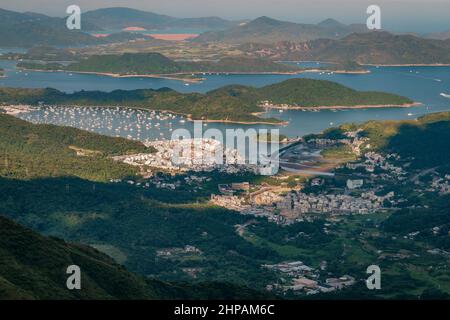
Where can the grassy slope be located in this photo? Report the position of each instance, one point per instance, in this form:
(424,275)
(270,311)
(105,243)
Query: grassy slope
(29,151)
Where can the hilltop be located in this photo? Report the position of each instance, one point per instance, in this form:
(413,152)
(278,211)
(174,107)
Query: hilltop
(377,47)
(152,63)
(28,29)
(120,17)
(230,103)
(268,30)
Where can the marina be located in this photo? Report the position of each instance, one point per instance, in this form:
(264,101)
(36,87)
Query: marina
(416,82)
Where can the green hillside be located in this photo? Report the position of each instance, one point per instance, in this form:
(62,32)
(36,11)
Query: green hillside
(312,93)
(128,63)
(34,267)
(30,151)
(230,103)
(133,224)
(378,47)
(156,63)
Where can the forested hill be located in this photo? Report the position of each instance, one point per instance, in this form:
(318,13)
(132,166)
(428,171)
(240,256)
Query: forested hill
(34,267)
(153,63)
(378,47)
(234,103)
(30,151)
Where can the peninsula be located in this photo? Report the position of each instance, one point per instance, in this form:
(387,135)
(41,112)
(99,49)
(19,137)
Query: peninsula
(234,103)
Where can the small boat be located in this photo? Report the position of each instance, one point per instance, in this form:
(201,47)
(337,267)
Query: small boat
(410,114)
(445,95)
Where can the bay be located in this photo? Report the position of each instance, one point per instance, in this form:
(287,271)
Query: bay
(420,83)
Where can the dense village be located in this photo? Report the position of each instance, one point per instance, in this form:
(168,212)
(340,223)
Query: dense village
(361,186)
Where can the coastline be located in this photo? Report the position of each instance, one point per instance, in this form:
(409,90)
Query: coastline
(282,123)
(173,76)
(408,65)
(20,108)
(117,75)
(368,106)
(336,71)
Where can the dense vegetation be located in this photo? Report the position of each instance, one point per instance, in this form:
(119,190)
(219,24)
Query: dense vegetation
(231,103)
(156,63)
(377,47)
(30,151)
(130,225)
(128,63)
(312,93)
(34,267)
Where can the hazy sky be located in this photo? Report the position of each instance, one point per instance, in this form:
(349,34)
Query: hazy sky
(398,15)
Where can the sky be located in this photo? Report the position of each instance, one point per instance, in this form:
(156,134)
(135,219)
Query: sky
(397,15)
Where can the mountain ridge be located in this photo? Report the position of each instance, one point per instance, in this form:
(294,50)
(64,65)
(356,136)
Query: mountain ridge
(268,30)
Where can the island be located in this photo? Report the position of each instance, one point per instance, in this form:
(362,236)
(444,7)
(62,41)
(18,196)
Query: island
(156,65)
(233,103)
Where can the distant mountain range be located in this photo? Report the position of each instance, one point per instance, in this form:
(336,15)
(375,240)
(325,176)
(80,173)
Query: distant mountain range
(28,29)
(119,18)
(440,35)
(377,47)
(268,30)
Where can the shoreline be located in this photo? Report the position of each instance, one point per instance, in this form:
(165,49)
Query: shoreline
(336,71)
(408,65)
(117,75)
(173,76)
(282,123)
(17,109)
(369,106)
